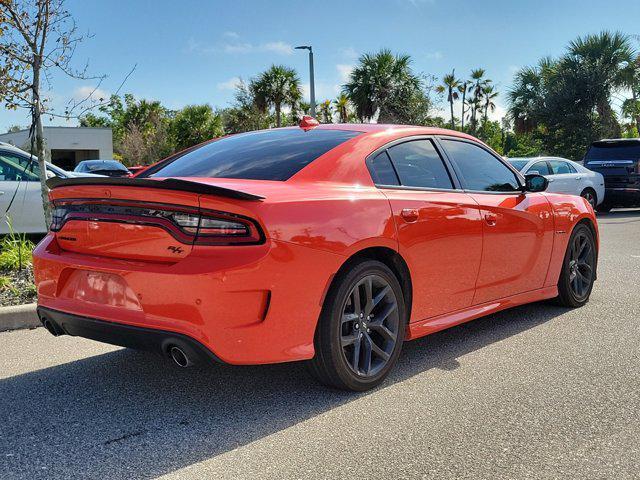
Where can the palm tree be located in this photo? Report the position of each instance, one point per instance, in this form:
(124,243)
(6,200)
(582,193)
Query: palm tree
(326,112)
(342,107)
(449,84)
(463,87)
(478,82)
(276,87)
(489,94)
(605,56)
(382,84)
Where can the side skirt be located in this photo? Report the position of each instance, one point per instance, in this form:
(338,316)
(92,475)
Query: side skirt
(435,324)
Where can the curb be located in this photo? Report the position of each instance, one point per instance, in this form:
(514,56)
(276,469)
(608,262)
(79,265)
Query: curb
(19,316)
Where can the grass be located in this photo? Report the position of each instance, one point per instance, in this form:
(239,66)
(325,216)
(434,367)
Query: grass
(15,251)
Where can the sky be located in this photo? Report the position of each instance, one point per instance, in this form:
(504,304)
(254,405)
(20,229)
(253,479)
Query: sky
(191,51)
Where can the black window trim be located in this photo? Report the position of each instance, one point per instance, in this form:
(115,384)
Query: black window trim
(519,177)
(445,160)
(546,162)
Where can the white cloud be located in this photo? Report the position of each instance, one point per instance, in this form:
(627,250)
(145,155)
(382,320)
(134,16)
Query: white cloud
(230,84)
(349,52)
(90,93)
(434,55)
(324,91)
(344,71)
(230,34)
(277,47)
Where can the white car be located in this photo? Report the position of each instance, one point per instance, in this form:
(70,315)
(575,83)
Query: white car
(564,176)
(20,197)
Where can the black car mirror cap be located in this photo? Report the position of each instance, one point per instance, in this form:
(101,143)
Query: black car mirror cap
(535,183)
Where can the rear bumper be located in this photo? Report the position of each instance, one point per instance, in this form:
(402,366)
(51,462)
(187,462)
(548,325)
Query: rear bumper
(622,197)
(246,305)
(149,339)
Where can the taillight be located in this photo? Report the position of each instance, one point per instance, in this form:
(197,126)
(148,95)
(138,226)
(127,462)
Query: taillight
(184,224)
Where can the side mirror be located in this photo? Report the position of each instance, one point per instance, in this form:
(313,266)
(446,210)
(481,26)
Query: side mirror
(50,174)
(535,183)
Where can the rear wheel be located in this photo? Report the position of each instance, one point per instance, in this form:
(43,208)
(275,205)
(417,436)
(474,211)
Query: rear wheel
(361,328)
(590,196)
(578,269)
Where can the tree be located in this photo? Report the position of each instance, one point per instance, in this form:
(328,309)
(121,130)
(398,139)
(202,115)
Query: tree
(566,102)
(342,108)
(489,94)
(478,82)
(326,111)
(277,87)
(383,85)
(195,124)
(449,84)
(244,115)
(37,37)
(463,87)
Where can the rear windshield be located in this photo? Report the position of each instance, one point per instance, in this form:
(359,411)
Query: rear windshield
(262,155)
(613,151)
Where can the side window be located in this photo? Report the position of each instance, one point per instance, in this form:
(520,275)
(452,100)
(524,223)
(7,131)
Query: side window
(541,167)
(382,171)
(419,165)
(480,170)
(559,167)
(11,170)
(572,169)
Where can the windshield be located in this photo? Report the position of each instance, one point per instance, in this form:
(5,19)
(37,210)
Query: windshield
(518,164)
(262,155)
(103,165)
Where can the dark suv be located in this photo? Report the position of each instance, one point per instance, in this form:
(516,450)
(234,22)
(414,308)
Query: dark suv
(618,161)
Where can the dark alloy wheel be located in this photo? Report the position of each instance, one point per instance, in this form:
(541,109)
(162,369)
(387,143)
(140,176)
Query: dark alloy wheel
(370,324)
(579,268)
(590,196)
(361,329)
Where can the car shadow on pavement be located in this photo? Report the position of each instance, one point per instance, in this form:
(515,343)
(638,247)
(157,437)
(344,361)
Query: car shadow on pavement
(127,414)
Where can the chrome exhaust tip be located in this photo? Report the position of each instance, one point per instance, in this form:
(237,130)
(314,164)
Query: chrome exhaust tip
(180,357)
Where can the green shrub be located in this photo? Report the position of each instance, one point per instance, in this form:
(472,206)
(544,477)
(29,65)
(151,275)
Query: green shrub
(15,251)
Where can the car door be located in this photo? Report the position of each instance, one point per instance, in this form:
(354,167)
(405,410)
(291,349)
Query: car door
(439,226)
(20,201)
(517,226)
(542,168)
(564,180)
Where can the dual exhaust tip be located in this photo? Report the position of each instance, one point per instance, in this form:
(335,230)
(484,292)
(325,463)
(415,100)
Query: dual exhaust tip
(181,356)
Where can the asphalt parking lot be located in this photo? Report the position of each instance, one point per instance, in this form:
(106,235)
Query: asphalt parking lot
(534,392)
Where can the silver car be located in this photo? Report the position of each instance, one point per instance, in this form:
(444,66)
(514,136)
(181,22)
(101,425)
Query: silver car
(564,176)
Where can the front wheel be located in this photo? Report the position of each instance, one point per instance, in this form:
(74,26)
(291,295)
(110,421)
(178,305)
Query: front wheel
(361,328)
(578,268)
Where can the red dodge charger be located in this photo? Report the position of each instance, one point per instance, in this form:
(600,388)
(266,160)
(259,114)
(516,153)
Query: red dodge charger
(332,244)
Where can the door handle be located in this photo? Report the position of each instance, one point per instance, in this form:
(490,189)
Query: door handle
(578,178)
(1,193)
(491,219)
(410,215)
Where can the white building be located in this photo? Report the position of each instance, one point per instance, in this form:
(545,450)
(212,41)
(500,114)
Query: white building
(68,145)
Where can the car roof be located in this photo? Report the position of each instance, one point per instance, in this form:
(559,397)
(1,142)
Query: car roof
(385,127)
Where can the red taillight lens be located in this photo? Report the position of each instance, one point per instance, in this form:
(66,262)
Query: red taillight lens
(185,225)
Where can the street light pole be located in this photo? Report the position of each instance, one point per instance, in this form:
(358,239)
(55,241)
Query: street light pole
(312,85)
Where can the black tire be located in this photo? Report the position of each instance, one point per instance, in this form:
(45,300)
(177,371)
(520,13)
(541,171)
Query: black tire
(589,194)
(603,208)
(379,341)
(578,268)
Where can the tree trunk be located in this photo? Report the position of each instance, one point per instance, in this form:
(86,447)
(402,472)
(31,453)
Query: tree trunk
(453,122)
(464,94)
(38,132)
(278,120)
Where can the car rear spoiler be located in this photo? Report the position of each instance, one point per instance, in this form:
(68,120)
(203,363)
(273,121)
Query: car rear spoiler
(166,184)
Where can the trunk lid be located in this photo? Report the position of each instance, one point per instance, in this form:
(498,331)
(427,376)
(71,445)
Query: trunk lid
(127,218)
